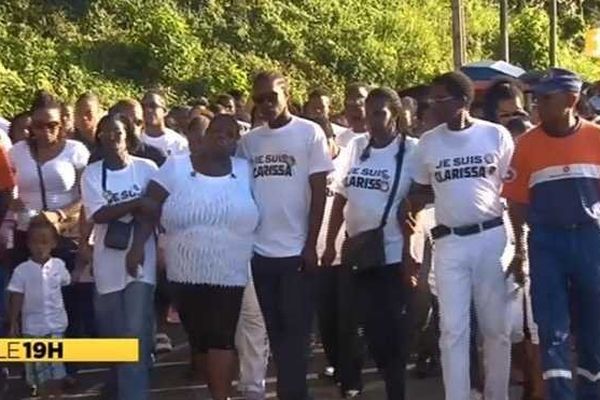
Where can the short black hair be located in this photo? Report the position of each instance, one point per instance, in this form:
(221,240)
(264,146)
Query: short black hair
(200,102)
(237,94)
(123,105)
(355,87)
(87,96)
(457,84)
(501,89)
(269,76)
(223,99)
(44,99)
(40,222)
(318,92)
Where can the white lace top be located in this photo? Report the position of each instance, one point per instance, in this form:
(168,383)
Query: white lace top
(209,223)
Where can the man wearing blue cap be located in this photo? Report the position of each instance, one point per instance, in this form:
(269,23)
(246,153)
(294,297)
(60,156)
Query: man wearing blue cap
(554,187)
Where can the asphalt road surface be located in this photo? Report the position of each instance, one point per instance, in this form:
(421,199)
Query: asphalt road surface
(170,380)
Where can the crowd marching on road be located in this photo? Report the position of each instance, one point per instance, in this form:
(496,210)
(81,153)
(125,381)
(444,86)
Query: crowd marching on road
(442,227)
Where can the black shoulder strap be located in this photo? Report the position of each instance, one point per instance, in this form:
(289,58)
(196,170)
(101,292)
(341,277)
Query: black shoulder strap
(399,161)
(103,176)
(40,177)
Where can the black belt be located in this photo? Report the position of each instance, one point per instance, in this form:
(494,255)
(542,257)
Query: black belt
(441,231)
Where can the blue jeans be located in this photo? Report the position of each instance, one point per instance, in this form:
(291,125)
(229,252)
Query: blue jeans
(4,275)
(565,266)
(129,313)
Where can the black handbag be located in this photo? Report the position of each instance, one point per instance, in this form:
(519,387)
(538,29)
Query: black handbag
(118,233)
(366,250)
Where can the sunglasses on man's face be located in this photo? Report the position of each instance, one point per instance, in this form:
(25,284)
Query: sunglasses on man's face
(51,126)
(269,97)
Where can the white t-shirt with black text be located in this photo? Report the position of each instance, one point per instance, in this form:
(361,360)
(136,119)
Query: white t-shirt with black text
(282,161)
(466,170)
(366,184)
(170,142)
(122,185)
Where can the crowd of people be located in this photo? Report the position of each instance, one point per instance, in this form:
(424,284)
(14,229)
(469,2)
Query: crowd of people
(412,217)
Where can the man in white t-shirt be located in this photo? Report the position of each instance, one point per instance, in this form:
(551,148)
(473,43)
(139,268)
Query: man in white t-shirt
(354,109)
(290,161)
(464,161)
(86,115)
(156,132)
(318,107)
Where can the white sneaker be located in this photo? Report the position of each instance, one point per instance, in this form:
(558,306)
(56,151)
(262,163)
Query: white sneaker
(476,395)
(162,343)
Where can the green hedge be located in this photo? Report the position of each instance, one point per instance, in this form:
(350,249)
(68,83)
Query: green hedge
(118,48)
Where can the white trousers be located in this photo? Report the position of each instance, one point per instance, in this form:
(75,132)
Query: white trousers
(252,344)
(469,268)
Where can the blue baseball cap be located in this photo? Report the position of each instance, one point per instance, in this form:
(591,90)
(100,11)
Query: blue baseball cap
(558,80)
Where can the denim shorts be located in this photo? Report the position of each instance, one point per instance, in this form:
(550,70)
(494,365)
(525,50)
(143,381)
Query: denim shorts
(38,373)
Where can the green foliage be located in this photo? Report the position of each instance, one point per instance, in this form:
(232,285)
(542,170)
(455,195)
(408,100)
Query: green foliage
(119,48)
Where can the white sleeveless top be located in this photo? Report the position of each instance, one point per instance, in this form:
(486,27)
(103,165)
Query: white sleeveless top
(209,223)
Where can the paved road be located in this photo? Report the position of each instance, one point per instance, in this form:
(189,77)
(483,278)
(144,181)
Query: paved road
(170,381)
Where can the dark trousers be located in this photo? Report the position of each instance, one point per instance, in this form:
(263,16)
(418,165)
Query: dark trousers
(285,295)
(339,325)
(565,277)
(382,301)
(424,314)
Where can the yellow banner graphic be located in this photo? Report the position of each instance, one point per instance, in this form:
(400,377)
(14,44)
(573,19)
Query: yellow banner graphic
(69,350)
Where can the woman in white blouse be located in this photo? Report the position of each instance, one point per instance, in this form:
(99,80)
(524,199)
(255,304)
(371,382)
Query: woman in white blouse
(209,217)
(112,190)
(47,168)
(373,166)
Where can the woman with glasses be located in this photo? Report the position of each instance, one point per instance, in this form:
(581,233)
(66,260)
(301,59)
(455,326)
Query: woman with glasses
(112,190)
(47,168)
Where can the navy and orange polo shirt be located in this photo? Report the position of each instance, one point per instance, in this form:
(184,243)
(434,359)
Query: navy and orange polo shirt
(558,178)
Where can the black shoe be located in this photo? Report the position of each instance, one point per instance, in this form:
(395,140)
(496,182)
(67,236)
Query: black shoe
(426,368)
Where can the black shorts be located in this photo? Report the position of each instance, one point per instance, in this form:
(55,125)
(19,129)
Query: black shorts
(209,314)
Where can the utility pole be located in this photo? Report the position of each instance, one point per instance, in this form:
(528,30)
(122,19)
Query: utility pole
(553,30)
(504,39)
(458,34)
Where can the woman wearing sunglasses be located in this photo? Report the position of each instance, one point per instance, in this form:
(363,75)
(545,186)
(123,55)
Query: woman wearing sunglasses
(112,190)
(47,168)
